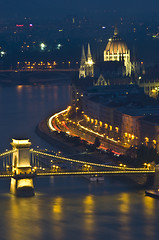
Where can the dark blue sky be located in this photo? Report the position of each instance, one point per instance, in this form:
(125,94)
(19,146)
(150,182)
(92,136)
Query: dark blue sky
(64,7)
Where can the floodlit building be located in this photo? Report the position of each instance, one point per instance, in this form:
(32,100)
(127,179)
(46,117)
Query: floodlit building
(124,113)
(117,50)
(150,137)
(87,64)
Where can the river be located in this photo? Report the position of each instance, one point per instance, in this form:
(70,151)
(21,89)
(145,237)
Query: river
(65,208)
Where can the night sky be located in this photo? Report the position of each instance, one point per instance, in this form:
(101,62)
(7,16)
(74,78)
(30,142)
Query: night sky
(58,8)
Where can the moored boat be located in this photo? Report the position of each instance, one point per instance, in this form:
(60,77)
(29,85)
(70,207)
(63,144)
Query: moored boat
(152,193)
(94,178)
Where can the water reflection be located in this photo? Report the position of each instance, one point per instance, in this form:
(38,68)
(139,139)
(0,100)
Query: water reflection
(20,218)
(19,88)
(149,214)
(57,208)
(125,203)
(124,217)
(149,206)
(57,217)
(52,179)
(89,218)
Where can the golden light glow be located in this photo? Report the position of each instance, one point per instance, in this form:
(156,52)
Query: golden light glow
(25,183)
(90,62)
(54,116)
(146,139)
(57,208)
(149,206)
(132,137)
(124,208)
(154,142)
(89,204)
(117,129)
(125,203)
(153,90)
(96,121)
(89,211)
(21,142)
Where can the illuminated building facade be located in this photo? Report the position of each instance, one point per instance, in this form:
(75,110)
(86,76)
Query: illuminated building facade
(113,112)
(117,50)
(87,64)
(117,62)
(150,137)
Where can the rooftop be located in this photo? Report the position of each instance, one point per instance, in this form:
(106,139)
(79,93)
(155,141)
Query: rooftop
(152,119)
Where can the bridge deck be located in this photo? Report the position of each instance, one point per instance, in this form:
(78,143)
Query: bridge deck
(75,173)
(78,173)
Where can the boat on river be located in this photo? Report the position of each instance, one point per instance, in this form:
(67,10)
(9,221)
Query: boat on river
(94,178)
(152,193)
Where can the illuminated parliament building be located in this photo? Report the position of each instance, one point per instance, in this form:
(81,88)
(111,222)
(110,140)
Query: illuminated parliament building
(117,50)
(116,54)
(111,94)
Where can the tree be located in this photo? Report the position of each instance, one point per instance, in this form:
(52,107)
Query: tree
(145,154)
(97,142)
(138,155)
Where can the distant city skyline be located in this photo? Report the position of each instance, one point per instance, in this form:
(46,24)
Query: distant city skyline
(56,8)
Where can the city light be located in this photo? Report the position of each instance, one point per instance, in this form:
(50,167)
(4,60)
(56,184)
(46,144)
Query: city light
(59,46)
(43,46)
(2,53)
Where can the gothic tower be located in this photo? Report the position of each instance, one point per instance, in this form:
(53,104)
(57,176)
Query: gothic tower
(89,63)
(82,70)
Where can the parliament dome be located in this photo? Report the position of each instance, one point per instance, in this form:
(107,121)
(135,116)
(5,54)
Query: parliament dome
(117,50)
(116,45)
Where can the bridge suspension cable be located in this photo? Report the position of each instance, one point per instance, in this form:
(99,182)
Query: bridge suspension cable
(6,153)
(90,163)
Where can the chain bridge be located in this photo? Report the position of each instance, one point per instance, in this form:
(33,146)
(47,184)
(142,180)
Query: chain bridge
(22,164)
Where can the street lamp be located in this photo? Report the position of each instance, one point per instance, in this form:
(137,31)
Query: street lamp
(2,53)
(42,46)
(76,112)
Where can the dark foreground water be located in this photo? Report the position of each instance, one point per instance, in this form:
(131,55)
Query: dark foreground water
(66,208)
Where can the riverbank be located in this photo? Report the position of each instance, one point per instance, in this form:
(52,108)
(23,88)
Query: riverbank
(54,139)
(41,77)
(44,132)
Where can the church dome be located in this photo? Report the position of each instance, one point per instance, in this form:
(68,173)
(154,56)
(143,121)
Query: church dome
(116,45)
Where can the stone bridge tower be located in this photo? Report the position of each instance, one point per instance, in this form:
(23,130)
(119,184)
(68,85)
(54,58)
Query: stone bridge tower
(22,180)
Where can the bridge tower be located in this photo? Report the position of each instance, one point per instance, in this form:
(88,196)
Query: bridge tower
(22,180)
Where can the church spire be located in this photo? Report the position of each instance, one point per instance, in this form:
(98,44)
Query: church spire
(89,56)
(83,57)
(86,67)
(116,31)
(82,69)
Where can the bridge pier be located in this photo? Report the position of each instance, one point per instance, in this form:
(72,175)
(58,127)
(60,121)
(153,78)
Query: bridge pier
(22,187)
(22,180)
